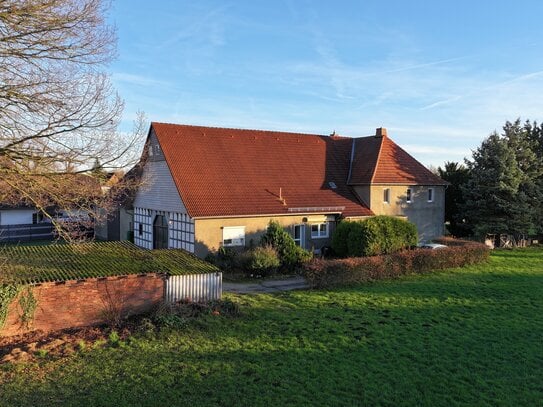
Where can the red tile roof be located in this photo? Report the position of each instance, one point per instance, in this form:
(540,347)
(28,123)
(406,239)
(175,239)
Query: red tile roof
(233,172)
(378,160)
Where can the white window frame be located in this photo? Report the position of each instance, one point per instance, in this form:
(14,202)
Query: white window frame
(386,195)
(409,195)
(320,234)
(233,236)
(430,194)
(300,241)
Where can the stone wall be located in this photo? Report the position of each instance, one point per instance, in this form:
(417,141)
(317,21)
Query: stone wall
(87,302)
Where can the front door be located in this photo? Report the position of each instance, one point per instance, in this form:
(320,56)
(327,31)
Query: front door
(299,235)
(160,232)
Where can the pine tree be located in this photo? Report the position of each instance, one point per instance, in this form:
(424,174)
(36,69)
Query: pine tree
(504,192)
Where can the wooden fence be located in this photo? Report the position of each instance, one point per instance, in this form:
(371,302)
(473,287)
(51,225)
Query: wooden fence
(194,287)
(26,233)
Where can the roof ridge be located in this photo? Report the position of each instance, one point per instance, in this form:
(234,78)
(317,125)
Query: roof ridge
(377,160)
(248,130)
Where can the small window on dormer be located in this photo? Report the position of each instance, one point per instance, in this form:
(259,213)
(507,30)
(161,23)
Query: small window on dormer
(408,195)
(157,149)
(150,150)
(332,185)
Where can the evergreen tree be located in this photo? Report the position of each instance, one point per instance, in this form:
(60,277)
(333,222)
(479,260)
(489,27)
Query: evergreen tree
(504,192)
(458,176)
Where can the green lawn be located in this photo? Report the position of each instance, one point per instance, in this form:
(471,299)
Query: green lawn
(470,336)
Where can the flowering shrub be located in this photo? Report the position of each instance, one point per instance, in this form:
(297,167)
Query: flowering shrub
(321,273)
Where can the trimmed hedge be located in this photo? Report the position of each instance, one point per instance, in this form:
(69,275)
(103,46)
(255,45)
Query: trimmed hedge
(321,273)
(373,236)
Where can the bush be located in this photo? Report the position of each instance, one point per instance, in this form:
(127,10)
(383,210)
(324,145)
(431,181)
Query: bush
(321,273)
(340,237)
(226,258)
(261,261)
(373,236)
(289,254)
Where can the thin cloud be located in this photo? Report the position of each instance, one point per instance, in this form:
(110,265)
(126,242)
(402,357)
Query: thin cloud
(138,79)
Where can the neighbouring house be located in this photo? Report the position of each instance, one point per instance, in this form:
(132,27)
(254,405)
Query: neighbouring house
(22,223)
(204,187)
(115,222)
(20,218)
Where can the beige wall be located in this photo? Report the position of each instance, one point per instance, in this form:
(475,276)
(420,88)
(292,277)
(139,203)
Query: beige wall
(427,216)
(208,232)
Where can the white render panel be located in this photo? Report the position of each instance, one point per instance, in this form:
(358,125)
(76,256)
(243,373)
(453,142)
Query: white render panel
(158,190)
(16,216)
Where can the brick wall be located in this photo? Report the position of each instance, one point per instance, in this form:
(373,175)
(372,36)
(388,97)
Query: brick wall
(87,302)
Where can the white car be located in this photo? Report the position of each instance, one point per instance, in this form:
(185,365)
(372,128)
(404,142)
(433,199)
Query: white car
(432,246)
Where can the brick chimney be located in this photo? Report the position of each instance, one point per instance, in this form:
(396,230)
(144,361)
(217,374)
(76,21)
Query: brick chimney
(381,132)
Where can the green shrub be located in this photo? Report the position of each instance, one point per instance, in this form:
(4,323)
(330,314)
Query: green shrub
(373,236)
(262,260)
(226,259)
(340,238)
(321,273)
(289,254)
(114,339)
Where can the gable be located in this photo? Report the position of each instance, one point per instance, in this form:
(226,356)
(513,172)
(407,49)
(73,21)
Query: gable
(157,190)
(378,160)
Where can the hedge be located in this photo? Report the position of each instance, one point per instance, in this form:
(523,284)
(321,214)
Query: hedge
(377,235)
(321,273)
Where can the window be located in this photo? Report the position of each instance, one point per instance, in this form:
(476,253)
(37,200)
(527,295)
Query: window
(408,195)
(233,236)
(319,230)
(298,236)
(140,229)
(430,194)
(386,195)
(37,218)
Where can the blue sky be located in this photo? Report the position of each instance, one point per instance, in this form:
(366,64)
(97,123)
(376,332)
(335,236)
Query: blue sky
(439,75)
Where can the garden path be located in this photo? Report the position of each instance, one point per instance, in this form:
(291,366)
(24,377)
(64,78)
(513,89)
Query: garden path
(266,286)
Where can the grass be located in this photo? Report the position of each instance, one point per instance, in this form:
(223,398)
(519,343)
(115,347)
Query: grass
(30,264)
(462,337)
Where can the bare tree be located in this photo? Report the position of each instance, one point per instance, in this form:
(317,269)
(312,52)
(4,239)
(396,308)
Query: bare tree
(58,110)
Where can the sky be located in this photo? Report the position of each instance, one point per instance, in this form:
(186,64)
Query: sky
(439,75)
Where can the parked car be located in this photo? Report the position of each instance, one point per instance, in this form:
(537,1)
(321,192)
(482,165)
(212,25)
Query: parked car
(431,246)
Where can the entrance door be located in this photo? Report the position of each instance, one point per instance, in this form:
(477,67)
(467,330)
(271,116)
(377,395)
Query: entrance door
(299,235)
(160,232)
